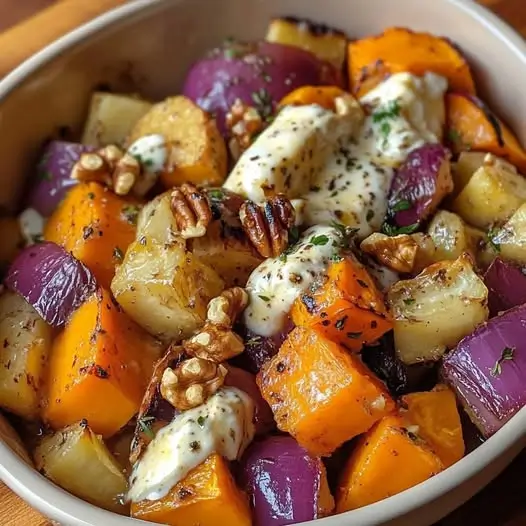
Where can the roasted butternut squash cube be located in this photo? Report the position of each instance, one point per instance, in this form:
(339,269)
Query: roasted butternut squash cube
(207,496)
(348,307)
(372,59)
(95,225)
(388,460)
(436,415)
(99,369)
(321,394)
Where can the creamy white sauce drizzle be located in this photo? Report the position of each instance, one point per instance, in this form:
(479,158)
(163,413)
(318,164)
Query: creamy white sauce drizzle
(31,226)
(277,282)
(224,425)
(341,166)
(152,153)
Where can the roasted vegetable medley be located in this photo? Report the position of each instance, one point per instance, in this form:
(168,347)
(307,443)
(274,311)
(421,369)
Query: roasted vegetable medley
(285,292)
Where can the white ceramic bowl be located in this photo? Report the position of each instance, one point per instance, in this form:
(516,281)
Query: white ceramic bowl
(148,45)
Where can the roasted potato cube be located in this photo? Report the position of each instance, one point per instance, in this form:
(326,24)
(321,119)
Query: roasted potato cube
(111,117)
(157,221)
(467,164)
(26,341)
(164,288)
(510,240)
(492,195)
(196,150)
(437,308)
(77,460)
(224,247)
(451,236)
(326,43)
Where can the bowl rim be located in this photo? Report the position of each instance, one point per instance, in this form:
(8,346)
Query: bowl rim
(60,505)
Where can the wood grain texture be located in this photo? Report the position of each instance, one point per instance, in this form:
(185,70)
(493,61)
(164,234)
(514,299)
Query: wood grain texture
(502,503)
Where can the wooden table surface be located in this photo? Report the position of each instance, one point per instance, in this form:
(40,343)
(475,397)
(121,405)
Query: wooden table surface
(502,503)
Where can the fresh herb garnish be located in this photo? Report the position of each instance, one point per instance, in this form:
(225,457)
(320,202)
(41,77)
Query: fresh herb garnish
(402,205)
(390,111)
(392,230)
(253,341)
(492,234)
(201,421)
(455,137)
(507,355)
(335,258)
(320,240)
(294,235)
(385,129)
(263,102)
(145,424)
(370,215)
(91,195)
(118,254)
(131,213)
(45,175)
(215,193)
(409,301)
(342,229)
(264,298)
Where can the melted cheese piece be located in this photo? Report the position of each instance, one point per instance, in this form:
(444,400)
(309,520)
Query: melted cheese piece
(277,282)
(291,152)
(222,425)
(340,167)
(152,154)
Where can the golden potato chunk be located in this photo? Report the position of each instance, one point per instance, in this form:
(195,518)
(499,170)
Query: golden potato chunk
(196,149)
(77,460)
(164,288)
(510,240)
(435,310)
(322,41)
(111,117)
(492,194)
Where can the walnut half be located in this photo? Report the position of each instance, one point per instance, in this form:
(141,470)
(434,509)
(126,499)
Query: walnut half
(216,341)
(109,166)
(403,253)
(267,225)
(191,383)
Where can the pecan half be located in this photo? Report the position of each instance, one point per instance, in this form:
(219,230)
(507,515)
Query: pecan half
(216,341)
(191,210)
(191,383)
(243,123)
(267,226)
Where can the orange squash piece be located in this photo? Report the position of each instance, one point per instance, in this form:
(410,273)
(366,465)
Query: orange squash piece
(438,420)
(94,225)
(387,460)
(99,368)
(207,496)
(371,60)
(321,394)
(473,126)
(348,307)
(323,96)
